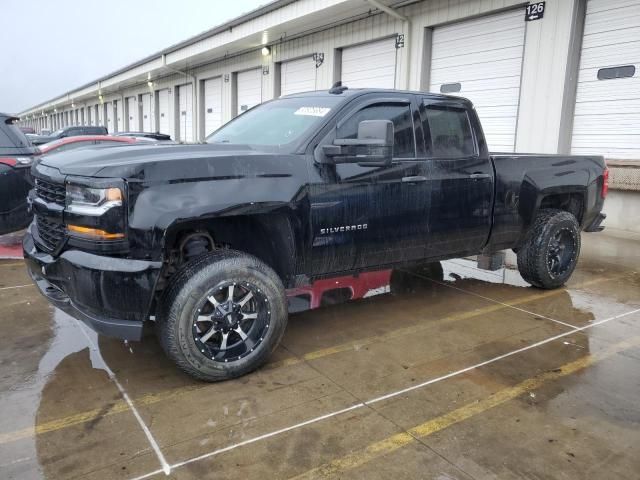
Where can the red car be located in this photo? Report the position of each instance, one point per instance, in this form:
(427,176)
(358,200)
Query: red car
(84,141)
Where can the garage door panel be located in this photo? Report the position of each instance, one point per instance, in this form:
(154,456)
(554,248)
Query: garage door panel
(163,111)
(607,90)
(249,85)
(621,142)
(297,76)
(612,152)
(608,124)
(468,58)
(611,20)
(607,112)
(486,85)
(604,55)
(185,115)
(484,55)
(485,42)
(604,39)
(497,69)
(612,107)
(600,5)
(371,65)
(212,104)
(474,28)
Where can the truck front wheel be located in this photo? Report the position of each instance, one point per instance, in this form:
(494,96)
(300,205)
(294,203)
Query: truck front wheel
(222,315)
(551,249)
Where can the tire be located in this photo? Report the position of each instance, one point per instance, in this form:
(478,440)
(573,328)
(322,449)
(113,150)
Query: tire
(550,252)
(201,329)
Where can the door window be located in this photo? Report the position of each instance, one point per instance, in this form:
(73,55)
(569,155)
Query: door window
(448,132)
(399,114)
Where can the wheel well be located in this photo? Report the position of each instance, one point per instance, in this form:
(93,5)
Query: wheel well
(569,202)
(268,237)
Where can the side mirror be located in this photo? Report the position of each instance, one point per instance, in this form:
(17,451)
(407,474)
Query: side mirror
(373,147)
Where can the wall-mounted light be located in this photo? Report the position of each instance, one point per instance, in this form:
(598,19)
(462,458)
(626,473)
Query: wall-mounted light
(101,98)
(55,110)
(265,51)
(150,84)
(73,105)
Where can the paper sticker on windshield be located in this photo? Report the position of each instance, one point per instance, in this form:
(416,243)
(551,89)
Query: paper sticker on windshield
(312,111)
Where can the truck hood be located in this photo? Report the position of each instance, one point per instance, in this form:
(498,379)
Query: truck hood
(169,162)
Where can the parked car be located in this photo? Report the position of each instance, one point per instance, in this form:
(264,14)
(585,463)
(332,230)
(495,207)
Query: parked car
(205,238)
(16,157)
(84,141)
(154,136)
(68,132)
(26,130)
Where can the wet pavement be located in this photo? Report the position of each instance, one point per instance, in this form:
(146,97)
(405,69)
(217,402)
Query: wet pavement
(471,375)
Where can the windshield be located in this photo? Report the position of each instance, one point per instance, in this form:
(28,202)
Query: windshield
(279,124)
(57,132)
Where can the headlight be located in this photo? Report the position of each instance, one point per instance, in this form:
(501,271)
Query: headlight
(94,213)
(92,201)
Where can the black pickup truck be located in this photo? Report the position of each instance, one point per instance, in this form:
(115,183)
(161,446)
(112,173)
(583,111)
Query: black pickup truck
(206,238)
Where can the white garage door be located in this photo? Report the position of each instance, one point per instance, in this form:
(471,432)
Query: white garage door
(163,110)
(117,105)
(481,60)
(297,76)
(110,122)
(212,104)
(132,114)
(607,112)
(185,102)
(249,85)
(370,65)
(147,113)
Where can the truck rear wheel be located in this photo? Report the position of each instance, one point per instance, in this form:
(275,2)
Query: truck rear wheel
(551,249)
(222,315)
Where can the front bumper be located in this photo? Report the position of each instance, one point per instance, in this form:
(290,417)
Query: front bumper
(111,295)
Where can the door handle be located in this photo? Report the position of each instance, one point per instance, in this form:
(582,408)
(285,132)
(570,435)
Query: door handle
(414,179)
(477,176)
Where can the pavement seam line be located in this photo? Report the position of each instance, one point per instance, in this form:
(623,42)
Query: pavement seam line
(153,398)
(408,436)
(390,395)
(112,376)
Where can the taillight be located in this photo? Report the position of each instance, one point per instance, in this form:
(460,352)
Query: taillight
(16,161)
(605,183)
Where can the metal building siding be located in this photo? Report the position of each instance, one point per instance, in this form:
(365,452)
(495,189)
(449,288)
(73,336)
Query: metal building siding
(132,114)
(147,113)
(484,56)
(297,76)
(212,104)
(101,119)
(607,112)
(370,65)
(185,114)
(249,93)
(163,110)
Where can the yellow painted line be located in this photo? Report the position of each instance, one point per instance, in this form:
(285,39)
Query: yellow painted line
(12,264)
(400,440)
(153,398)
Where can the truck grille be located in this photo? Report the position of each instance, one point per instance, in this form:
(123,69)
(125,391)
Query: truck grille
(51,192)
(51,233)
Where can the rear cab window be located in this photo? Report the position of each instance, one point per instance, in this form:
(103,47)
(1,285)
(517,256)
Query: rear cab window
(447,130)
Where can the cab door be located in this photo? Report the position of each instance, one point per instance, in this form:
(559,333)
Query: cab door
(460,176)
(366,216)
